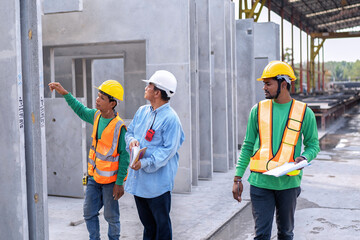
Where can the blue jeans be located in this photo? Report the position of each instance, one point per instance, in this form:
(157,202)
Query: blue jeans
(96,196)
(264,202)
(154,214)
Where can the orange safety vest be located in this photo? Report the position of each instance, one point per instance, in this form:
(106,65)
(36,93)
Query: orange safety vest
(103,161)
(264,160)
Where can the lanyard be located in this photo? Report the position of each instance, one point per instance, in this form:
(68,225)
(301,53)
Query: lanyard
(153,121)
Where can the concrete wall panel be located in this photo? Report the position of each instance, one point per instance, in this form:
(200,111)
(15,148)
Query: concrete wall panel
(229,79)
(167,31)
(194,66)
(13,203)
(219,87)
(251,61)
(205,89)
(235,83)
(245,73)
(34,112)
(266,49)
(167,46)
(64,134)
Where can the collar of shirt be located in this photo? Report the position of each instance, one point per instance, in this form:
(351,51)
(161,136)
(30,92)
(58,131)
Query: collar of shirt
(166,105)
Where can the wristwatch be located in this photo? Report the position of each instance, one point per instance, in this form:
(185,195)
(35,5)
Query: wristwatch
(237,179)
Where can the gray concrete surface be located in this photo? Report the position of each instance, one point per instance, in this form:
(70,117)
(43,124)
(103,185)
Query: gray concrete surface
(12,143)
(329,205)
(194,216)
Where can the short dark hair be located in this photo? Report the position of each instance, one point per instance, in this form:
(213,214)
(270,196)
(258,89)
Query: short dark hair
(281,79)
(164,95)
(111,98)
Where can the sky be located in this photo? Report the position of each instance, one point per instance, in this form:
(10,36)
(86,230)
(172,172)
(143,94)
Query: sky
(342,49)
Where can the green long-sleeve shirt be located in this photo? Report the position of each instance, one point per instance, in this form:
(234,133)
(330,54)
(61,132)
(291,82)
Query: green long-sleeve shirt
(87,114)
(308,135)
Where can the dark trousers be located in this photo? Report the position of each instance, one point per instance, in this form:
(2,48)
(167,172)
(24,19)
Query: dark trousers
(264,202)
(154,214)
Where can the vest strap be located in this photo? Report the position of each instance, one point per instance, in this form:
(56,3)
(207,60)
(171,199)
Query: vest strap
(106,173)
(263,160)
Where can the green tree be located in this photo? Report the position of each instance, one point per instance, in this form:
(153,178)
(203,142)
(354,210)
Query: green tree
(339,73)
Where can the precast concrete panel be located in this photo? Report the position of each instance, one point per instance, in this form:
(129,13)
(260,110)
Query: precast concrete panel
(266,49)
(194,66)
(234,77)
(34,119)
(229,90)
(166,33)
(219,87)
(245,73)
(65,135)
(205,90)
(13,203)
(122,20)
(55,6)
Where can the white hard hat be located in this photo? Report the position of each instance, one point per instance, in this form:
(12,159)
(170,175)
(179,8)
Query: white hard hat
(164,80)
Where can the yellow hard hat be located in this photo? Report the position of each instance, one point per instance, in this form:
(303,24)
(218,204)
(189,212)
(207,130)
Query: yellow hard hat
(275,68)
(113,88)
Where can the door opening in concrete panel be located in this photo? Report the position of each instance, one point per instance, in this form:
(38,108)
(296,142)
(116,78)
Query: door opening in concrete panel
(79,68)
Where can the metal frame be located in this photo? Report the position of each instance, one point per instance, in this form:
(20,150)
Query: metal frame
(319,20)
(250,11)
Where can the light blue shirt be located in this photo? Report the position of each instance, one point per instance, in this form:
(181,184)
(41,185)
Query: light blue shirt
(161,160)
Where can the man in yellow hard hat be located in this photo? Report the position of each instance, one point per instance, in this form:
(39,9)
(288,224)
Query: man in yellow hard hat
(108,159)
(276,129)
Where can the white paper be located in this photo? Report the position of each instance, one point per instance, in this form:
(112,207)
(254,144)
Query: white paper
(286,168)
(134,152)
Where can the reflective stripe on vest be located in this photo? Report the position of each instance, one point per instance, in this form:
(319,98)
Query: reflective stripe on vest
(264,160)
(103,158)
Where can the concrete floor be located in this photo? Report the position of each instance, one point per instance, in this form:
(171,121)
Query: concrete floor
(194,216)
(328,207)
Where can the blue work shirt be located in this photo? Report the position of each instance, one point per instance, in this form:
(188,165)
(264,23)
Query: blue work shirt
(161,160)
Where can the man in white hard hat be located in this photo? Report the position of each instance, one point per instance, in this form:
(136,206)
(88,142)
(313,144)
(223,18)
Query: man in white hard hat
(151,179)
(108,159)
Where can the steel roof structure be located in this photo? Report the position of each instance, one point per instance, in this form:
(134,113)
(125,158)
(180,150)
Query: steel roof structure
(319,18)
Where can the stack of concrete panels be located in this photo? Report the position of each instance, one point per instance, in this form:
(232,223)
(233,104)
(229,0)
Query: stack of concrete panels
(163,29)
(214,59)
(193,39)
(256,45)
(23,170)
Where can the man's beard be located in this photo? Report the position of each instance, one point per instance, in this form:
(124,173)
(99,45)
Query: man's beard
(269,96)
